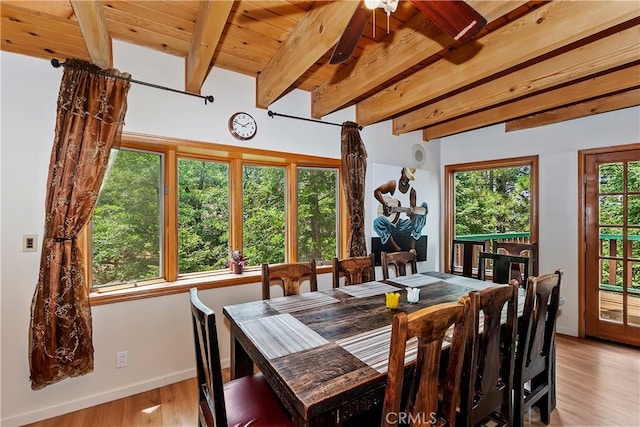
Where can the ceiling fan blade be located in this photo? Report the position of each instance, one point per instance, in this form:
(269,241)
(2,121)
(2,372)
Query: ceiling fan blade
(454,17)
(350,37)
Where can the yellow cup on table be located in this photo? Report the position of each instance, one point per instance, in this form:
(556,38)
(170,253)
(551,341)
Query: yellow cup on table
(392,299)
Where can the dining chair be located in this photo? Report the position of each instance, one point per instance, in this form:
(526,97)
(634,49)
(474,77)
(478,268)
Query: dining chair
(535,351)
(355,270)
(243,401)
(289,276)
(502,268)
(429,325)
(487,373)
(468,250)
(399,261)
(521,249)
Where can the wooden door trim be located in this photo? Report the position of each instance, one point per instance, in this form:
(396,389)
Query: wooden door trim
(582,248)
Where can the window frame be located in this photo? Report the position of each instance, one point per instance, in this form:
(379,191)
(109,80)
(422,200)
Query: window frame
(236,157)
(450,197)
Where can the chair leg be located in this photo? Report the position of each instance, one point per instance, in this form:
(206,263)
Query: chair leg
(547,403)
(518,405)
(507,411)
(552,379)
(540,383)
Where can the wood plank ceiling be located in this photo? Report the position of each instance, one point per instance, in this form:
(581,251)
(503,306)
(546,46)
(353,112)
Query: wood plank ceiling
(535,63)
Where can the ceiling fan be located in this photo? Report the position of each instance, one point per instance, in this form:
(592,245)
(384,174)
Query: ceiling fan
(454,17)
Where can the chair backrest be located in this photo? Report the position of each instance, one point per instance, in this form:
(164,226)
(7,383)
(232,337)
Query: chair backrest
(503,267)
(289,276)
(399,262)
(522,249)
(538,323)
(429,325)
(211,404)
(487,374)
(469,250)
(355,270)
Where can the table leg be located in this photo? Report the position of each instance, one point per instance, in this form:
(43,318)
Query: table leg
(241,363)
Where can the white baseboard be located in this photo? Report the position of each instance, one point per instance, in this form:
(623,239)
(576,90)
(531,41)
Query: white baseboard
(97,399)
(567,331)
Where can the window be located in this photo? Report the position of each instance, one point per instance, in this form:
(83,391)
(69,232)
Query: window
(263,214)
(317,213)
(172,210)
(127,221)
(203,215)
(491,201)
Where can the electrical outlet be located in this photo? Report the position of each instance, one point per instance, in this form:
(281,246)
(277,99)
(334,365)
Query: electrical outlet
(121,359)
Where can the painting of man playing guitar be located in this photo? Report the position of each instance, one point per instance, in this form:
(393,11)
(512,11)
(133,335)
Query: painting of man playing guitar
(395,220)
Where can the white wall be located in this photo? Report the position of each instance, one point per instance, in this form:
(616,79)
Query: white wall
(557,146)
(155,331)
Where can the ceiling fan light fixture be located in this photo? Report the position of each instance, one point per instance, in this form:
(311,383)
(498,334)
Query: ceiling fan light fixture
(372,4)
(388,5)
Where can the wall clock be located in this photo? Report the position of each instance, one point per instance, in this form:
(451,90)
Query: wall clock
(242,126)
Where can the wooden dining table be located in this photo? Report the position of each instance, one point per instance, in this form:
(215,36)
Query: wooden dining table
(325,353)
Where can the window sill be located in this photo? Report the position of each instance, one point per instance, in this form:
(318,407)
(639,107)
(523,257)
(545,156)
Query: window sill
(215,280)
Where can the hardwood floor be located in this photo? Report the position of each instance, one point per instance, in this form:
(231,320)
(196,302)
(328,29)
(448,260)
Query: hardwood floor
(598,385)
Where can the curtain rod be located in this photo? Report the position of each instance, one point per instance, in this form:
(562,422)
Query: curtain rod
(273,113)
(208,98)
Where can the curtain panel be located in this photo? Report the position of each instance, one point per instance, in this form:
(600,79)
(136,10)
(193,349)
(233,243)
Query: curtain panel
(354,170)
(91,109)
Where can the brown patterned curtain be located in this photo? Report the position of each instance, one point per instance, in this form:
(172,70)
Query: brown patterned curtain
(91,109)
(354,170)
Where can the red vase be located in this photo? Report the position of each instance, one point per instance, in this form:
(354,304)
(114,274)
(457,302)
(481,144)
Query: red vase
(237,268)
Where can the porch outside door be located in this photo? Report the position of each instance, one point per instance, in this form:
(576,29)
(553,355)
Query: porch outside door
(612,235)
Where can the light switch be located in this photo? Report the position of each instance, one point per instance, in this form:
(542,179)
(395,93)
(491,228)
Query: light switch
(30,243)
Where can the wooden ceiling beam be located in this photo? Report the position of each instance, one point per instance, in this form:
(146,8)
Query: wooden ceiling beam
(405,47)
(626,99)
(312,38)
(90,15)
(603,54)
(544,30)
(212,17)
(601,85)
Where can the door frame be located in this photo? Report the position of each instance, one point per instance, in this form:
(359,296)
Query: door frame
(582,235)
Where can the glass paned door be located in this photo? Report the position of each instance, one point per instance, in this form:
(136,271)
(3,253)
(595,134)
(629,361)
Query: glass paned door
(612,229)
